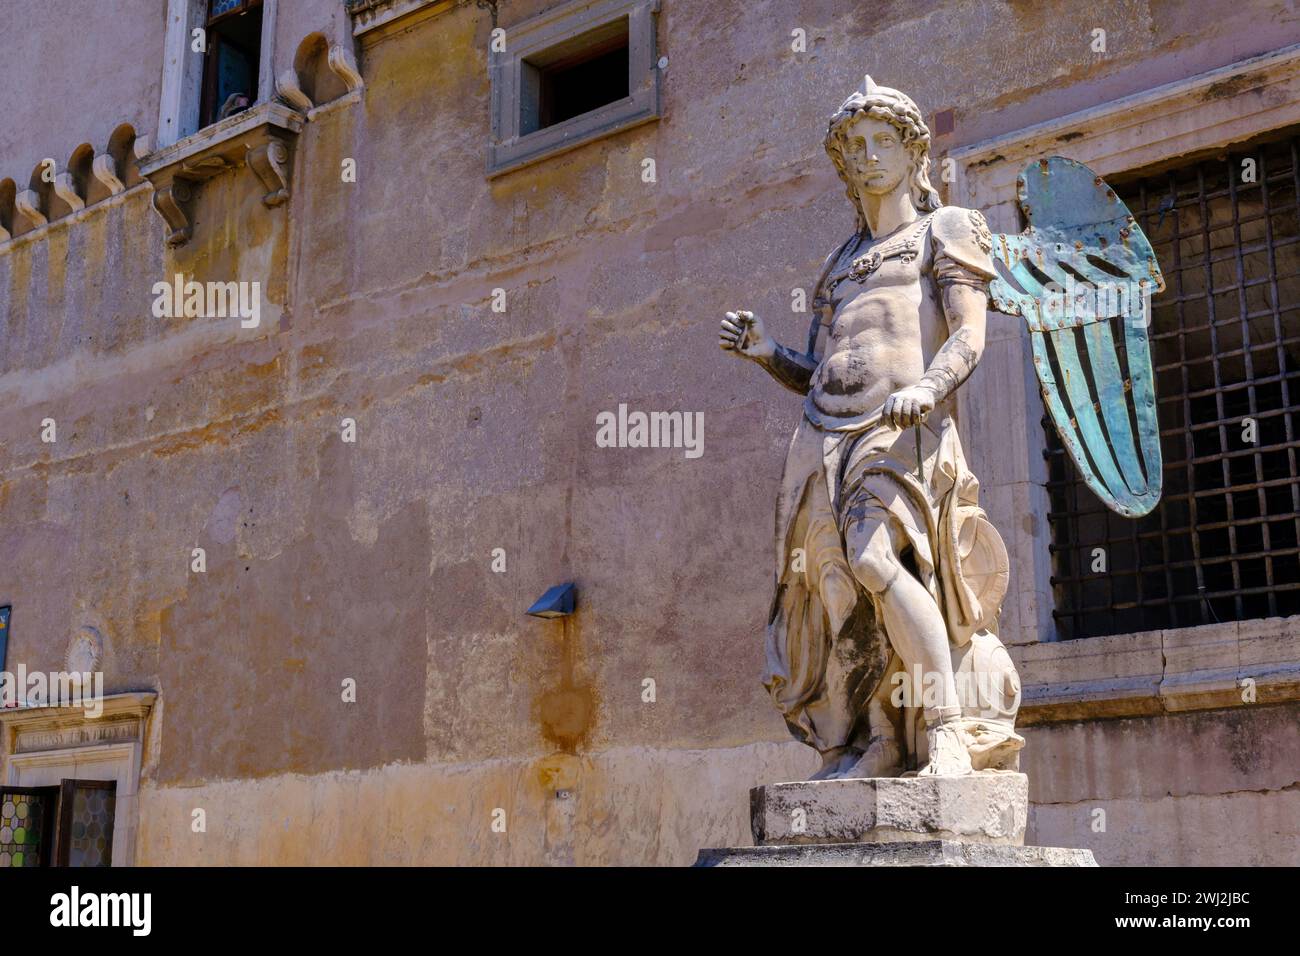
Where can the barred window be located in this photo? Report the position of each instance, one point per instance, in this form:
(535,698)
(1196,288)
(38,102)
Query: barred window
(1225,344)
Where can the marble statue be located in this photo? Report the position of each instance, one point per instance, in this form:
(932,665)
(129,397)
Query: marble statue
(882,650)
(886,563)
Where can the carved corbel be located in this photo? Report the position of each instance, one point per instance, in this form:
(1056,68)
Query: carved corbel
(259,137)
(66,189)
(105,170)
(170,202)
(28,203)
(288,90)
(345,67)
(270,162)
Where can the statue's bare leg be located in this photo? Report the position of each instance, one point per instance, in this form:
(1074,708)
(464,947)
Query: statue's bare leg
(917,632)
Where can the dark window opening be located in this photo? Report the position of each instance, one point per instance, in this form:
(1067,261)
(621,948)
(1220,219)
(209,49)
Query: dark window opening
(575,77)
(1224,542)
(234,53)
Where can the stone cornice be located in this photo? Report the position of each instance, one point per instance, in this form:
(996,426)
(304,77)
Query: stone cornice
(31,729)
(1237,664)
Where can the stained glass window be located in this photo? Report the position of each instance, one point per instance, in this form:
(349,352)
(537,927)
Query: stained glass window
(89,834)
(218,8)
(25,818)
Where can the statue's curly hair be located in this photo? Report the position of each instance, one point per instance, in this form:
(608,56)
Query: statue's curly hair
(901,113)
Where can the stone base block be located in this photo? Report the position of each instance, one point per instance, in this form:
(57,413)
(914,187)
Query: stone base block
(909,853)
(983,808)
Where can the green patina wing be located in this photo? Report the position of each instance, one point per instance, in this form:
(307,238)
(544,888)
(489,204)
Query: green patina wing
(1082,263)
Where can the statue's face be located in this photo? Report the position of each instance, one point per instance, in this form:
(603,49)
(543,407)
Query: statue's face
(875,157)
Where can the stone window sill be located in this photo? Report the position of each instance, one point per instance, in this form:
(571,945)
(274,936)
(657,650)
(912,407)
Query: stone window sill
(1154,672)
(260,137)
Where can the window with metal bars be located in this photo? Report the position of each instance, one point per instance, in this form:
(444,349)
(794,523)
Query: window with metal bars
(1225,344)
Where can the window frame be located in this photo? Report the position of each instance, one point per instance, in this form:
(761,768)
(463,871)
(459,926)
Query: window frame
(67,791)
(511,148)
(244,7)
(180,106)
(215,41)
(49,828)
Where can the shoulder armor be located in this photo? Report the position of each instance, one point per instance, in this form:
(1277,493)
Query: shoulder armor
(962,237)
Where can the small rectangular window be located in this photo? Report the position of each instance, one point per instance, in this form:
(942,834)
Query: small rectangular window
(572,74)
(575,77)
(231,65)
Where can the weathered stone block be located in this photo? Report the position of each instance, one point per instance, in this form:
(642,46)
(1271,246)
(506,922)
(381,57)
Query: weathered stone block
(989,808)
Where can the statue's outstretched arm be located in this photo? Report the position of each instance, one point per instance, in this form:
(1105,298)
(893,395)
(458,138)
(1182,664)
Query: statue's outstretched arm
(744,333)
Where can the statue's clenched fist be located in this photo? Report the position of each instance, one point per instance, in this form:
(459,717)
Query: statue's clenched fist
(908,406)
(743,333)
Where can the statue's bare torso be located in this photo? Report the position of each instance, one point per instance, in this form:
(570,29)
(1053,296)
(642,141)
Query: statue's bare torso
(882,336)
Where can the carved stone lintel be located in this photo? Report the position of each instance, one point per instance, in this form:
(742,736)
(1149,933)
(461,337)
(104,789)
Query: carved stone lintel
(288,89)
(65,187)
(345,67)
(105,170)
(271,163)
(170,202)
(28,204)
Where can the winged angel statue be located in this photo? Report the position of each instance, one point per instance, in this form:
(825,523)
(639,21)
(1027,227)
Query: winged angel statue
(882,650)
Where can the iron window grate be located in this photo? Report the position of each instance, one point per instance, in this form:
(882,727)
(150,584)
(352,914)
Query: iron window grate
(1224,542)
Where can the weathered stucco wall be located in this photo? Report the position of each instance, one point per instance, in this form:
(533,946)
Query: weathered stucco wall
(73,71)
(1208,788)
(476,431)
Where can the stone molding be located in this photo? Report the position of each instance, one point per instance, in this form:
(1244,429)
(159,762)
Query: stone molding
(1157,672)
(33,729)
(260,137)
(369,16)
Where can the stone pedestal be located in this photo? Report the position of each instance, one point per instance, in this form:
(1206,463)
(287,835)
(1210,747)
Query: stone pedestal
(977,820)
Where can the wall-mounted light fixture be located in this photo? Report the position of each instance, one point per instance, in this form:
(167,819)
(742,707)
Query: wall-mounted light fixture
(558,601)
